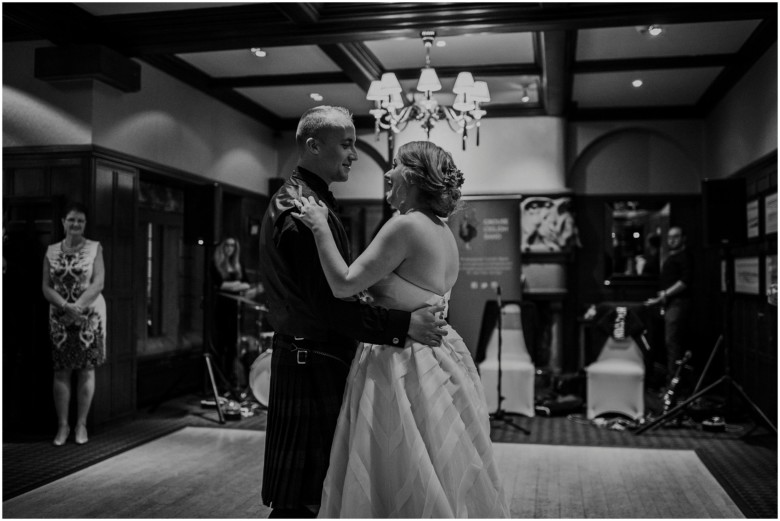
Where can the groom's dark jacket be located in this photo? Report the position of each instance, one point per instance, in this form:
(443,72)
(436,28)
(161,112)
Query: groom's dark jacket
(300,301)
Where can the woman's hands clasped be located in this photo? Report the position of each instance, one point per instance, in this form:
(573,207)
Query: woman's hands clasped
(73,314)
(312,213)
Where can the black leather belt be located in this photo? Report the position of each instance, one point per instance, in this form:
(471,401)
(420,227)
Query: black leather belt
(302,347)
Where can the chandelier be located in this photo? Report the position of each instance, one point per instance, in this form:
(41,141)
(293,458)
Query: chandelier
(391,112)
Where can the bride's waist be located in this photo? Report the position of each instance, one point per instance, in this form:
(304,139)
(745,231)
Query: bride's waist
(451,337)
(391,303)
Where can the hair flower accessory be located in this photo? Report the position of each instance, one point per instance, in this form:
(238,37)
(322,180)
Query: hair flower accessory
(453,178)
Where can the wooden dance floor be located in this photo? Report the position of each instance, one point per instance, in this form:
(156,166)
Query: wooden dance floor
(216,473)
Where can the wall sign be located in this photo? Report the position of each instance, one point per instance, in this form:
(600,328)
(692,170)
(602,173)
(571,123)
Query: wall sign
(487,231)
(547,223)
(752,219)
(746,275)
(770,213)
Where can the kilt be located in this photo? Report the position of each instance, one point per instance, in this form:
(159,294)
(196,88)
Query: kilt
(303,408)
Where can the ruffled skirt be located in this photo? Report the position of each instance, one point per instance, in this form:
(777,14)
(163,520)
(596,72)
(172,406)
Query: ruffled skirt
(413,438)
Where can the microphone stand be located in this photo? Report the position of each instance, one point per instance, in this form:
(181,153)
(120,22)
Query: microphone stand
(500,414)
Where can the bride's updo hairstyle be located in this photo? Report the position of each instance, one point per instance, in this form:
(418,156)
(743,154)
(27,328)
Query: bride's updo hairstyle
(432,170)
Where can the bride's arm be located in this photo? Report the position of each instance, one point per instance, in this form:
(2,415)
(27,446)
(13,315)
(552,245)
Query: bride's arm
(385,253)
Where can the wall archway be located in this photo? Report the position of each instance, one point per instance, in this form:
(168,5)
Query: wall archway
(634,160)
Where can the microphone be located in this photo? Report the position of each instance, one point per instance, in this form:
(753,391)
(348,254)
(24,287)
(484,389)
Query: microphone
(498,296)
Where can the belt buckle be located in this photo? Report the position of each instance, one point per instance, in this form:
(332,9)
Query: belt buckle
(301,359)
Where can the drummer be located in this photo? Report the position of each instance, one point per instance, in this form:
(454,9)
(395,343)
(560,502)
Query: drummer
(230,282)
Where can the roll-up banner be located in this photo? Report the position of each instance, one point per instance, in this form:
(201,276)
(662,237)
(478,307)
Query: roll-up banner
(487,230)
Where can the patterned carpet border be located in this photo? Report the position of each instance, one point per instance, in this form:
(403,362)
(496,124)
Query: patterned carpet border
(710,461)
(27,466)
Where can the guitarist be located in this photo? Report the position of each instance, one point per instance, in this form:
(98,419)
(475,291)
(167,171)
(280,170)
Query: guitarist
(674,299)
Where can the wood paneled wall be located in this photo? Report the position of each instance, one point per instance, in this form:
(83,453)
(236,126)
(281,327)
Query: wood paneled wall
(115,191)
(751,321)
(51,177)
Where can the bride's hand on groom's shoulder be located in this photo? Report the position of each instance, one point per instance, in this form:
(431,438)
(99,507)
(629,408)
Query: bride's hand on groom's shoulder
(312,213)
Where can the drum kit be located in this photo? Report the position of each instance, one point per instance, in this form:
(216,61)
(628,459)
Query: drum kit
(254,352)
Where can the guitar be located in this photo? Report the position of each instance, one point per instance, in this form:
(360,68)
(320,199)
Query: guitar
(669,398)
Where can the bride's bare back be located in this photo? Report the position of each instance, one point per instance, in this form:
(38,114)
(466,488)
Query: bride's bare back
(432,255)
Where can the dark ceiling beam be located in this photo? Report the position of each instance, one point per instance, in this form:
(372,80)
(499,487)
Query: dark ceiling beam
(300,13)
(556,55)
(480,71)
(754,48)
(268,24)
(356,61)
(280,80)
(59,22)
(642,64)
(193,77)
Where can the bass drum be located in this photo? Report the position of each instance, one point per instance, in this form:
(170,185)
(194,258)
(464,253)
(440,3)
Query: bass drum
(260,377)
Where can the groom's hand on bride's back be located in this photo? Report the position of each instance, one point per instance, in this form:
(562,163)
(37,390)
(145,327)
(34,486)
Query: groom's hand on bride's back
(426,326)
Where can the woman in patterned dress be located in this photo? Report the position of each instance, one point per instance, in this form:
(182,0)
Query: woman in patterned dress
(73,275)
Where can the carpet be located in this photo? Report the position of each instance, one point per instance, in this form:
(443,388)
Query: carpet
(194,472)
(216,473)
(555,482)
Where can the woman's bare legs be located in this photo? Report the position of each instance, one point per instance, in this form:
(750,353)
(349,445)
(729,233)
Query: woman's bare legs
(85,392)
(61,392)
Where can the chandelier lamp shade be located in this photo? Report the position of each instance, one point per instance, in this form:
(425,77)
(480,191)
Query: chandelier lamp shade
(392,113)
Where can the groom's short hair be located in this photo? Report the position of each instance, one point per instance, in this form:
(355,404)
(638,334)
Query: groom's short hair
(314,120)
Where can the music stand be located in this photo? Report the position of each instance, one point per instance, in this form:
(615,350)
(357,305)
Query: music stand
(499,414)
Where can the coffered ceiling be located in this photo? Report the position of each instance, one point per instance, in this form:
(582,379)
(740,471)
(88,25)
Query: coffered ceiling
(573,60)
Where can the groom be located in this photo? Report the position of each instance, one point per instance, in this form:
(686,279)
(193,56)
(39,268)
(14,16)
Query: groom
(316,334)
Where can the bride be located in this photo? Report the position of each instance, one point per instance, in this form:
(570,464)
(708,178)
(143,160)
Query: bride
(413,434)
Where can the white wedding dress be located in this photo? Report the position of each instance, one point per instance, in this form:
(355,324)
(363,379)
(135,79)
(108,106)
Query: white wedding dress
(413,434)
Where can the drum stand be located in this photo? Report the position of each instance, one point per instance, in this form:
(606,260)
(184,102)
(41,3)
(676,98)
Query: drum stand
(207,358)
(500,414)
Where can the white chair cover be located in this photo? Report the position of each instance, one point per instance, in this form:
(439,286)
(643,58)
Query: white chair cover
(616,380)
(517,369)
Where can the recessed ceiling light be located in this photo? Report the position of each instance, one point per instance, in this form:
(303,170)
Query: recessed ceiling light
(441,43)
(637,83)
(655,30)
(652,31)
(315,96)
(257,51)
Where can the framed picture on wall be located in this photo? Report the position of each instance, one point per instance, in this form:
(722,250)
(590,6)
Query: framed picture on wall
(770,214)
(771,278)
(752,219)
(547,224)
(746,275)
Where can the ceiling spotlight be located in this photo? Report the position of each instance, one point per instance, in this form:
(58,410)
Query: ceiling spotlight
(525,98)
(441,43)
(650,30)
(655,30)
(257,51)
(315,96)
(637,83)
